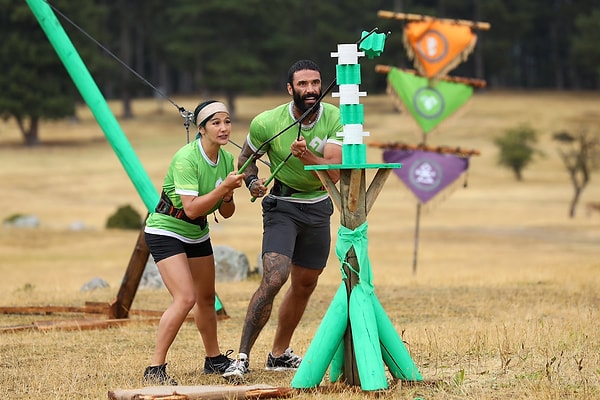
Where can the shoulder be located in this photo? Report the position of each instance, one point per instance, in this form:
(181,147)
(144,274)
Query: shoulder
(269,117)
(187,151)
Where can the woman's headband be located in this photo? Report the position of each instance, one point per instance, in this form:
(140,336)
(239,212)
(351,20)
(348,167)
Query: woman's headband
(209,110)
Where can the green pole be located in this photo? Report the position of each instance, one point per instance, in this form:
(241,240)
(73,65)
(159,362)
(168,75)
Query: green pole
(95,101)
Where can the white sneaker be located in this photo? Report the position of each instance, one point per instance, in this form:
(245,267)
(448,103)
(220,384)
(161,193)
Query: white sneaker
(237,369)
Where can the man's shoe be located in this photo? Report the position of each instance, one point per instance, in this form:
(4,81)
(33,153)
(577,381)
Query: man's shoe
(157,375)
(286,362)
(218,364)
(237,369)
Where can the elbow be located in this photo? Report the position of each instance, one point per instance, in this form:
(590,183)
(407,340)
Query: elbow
(192,214)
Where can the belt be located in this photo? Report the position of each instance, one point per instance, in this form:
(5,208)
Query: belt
(283,190)
(165,206)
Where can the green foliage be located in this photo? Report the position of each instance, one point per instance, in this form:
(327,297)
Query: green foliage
(231,47)
(126,217)
(13,218)
(34,83)
(459,377)
(585,49)
(516,148)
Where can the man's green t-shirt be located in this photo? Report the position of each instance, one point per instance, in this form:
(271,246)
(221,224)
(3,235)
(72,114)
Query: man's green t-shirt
(324,130)
(191,172)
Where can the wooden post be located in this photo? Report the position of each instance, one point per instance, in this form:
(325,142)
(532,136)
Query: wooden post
(354,202)
(119,307)
(353,214)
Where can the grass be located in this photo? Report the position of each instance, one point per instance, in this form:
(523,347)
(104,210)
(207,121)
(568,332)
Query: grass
(504,302)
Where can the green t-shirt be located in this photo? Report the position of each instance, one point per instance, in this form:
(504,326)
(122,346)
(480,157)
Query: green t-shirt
(191,172)
(324,130)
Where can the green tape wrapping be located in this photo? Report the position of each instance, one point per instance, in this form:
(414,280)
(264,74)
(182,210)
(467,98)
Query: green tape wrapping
(324,344)
(356,238)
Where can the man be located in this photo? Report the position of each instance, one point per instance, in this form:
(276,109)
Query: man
(296,212)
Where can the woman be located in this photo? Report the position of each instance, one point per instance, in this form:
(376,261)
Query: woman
(200,181)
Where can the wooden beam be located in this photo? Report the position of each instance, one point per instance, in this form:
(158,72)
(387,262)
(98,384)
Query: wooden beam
(437,149)
(479,83)
(356,177)
(484,26)
(333,191)
(376,186)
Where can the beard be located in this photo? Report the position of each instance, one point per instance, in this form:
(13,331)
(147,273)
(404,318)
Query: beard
(300,101)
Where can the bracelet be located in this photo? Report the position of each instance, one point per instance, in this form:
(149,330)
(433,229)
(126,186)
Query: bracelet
(249,180)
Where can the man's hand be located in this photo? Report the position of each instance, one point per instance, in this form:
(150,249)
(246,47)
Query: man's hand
(257,188)
(298,147)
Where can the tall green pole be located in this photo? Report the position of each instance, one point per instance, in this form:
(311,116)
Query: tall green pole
(95,101)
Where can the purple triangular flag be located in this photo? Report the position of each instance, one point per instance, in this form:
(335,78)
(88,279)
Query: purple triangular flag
(426,173)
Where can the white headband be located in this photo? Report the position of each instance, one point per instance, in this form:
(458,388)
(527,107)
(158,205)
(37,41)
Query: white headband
(209,110)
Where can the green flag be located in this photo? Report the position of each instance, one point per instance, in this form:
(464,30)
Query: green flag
(429,105)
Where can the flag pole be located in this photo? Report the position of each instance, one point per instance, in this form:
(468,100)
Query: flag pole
(416,242)
(484,26)
(477,83)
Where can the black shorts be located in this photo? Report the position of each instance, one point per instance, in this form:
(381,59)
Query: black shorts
(298,230)
(162,247)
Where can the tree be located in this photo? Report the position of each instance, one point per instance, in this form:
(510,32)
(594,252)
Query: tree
(34,84)
(585,50)
(580,154)
(516,150)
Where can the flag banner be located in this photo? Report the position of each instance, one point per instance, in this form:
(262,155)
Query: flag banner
(437,47)
(425,173)
(429,105)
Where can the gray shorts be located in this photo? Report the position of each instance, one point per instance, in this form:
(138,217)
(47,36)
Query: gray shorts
(298,230)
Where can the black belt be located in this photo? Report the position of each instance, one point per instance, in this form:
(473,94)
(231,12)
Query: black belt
(283,190)
(165,206)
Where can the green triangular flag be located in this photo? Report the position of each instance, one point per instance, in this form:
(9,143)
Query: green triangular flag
(429,105)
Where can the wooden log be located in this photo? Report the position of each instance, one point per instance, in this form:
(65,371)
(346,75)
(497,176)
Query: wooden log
(204,392)
(484,26)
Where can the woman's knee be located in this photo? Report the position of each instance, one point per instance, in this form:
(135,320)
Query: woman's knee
(185,301)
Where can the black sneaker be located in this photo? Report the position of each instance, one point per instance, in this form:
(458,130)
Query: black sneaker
(237,369)
(157,375)
(218,364)
(285,362)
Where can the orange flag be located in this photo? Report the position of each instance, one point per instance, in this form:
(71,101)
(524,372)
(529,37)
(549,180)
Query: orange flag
(437,47)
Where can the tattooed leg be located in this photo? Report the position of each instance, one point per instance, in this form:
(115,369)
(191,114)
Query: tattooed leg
(293,305)
(276,271)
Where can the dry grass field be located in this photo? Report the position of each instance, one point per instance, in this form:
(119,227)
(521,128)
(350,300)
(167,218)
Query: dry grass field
(505,302)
